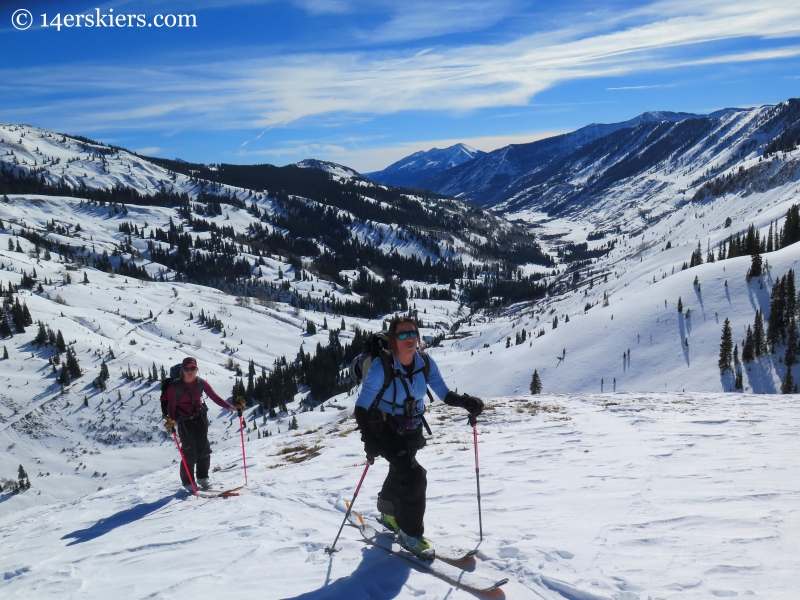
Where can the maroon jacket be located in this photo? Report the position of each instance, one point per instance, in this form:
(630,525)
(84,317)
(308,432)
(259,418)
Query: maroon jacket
(190,401)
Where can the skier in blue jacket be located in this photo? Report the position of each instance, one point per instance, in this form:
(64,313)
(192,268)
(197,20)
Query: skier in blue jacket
(391,427)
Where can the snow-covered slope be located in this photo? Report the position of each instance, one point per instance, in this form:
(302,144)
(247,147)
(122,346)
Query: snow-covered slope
(489,179)
(609,486)
(414,170)
(600,497)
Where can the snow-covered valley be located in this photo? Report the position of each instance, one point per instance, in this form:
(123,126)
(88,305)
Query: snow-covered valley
(639,473)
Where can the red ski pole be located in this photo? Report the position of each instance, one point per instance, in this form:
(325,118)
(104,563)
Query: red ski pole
(185,466)
(244,458)
(332,548)
(477,475)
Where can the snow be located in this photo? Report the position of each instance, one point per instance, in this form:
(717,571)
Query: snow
(632,489)
(602,496)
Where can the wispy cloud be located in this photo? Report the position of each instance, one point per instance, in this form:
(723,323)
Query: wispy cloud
(641,87)
(148,150)
(367,158)
(264,92)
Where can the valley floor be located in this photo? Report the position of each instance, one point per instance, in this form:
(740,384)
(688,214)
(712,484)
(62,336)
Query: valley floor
(614,496)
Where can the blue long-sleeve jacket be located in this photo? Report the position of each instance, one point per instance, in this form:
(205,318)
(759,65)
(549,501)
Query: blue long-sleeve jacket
(417,387)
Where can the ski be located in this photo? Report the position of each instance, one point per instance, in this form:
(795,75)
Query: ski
(446,553)
(215,494)
(446,571)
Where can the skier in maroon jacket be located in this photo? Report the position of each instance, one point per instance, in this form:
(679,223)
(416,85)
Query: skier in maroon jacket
(186,409)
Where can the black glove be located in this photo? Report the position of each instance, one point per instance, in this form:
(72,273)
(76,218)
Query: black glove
(473,404)
(372,446)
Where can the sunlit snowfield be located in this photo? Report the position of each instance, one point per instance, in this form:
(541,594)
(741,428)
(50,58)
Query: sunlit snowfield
(617,496)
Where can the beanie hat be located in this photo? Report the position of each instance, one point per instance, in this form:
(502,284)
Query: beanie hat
(188,362)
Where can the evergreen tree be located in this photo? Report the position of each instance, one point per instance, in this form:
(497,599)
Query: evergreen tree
(5,352)
(104,374)
(23,480)
(791,345)
(788,385)
(311,327)
(748,349)
(759,339)
(726,347)
(63,378)
(738,382)
(60,345)
(16,317)
(293,424)
(680,305)
(72,364)
(5,328)
(536,383)
(755,265)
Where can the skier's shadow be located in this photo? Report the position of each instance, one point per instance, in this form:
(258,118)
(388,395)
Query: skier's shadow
(123,517)
(379,575)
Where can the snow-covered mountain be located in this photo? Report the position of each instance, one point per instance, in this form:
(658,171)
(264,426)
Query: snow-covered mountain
(672,152)
(615,428)
(335,169)
(415,169)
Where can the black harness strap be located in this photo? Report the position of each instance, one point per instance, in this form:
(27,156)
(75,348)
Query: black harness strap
(390,373)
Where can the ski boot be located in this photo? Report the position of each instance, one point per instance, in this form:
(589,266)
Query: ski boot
(389,522)
(204,483)
(418,546)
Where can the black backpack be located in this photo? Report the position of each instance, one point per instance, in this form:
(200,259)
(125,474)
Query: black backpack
(371,349)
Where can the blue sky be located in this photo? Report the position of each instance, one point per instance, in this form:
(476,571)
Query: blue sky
(366,82)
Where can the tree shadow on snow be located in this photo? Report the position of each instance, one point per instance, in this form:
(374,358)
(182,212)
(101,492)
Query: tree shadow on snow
(379,575)
(682,326)
(759,375)
(123,517)
(727,379)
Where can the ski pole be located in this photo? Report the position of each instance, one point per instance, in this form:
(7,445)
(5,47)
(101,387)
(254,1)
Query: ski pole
(185,466)
(477,474)
(244,458)
(332,548)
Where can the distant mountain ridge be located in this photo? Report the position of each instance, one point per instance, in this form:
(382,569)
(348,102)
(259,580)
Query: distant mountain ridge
(484,179)
(421,166)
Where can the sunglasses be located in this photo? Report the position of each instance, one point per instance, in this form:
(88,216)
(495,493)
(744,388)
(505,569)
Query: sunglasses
(405,334)
(190,369)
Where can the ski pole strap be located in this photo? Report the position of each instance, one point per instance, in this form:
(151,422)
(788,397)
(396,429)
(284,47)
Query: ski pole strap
(425,424)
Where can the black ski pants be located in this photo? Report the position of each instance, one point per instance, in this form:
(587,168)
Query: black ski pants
(405,486)
(196,448)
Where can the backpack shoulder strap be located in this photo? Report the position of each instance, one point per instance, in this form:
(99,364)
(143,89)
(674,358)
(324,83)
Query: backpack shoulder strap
(387,361)
(426,367)
(426,371)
